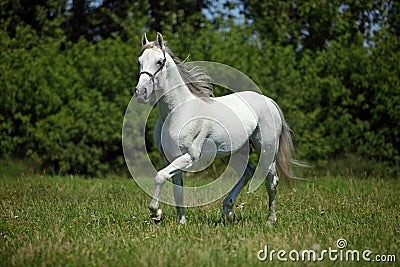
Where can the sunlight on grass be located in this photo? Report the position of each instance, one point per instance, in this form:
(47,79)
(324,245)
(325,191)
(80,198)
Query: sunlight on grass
(76,221)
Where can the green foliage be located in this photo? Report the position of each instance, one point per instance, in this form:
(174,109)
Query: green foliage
(63,103)
(313,24)
(65,108)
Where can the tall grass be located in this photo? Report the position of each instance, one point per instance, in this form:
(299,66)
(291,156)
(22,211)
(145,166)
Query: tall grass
(73,221)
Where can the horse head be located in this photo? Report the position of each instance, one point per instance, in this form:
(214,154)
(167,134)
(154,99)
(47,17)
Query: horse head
(151,61)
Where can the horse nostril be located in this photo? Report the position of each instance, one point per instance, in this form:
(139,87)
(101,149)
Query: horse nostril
(137,90)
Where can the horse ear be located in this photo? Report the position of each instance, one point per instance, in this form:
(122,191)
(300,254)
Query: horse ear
(144,39)
(160,40)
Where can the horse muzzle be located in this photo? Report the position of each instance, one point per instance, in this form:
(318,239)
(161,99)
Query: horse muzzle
(141,96)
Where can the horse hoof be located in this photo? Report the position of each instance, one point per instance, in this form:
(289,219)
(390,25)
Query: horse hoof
(157,216)
(271,220)
(181,221)
(231,216)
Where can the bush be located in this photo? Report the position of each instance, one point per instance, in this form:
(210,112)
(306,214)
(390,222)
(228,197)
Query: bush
(63,104)
(65,108)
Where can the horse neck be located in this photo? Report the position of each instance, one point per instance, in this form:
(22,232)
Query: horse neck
(172,92)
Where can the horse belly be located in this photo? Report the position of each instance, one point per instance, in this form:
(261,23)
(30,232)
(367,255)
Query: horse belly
(234,125)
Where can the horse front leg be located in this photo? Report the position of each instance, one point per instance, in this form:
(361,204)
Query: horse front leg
(178,195)
(176,167)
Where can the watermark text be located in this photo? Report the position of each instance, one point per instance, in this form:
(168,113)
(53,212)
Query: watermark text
(338,253)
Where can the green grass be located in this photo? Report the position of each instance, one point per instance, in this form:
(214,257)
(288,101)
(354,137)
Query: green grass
(73,221)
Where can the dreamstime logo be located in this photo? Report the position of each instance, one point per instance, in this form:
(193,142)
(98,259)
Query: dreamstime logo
(138,160)
(340,253)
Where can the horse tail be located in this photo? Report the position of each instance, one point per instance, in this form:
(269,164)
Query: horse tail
(284,156)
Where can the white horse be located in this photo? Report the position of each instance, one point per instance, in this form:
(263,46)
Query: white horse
(189,115)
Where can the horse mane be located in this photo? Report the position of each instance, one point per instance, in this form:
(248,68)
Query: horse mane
(194,77)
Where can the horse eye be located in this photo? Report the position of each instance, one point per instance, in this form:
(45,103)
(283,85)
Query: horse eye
(159,62)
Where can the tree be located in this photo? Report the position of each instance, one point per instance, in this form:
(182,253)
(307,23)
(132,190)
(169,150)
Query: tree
(37,14)
(173,15)
(313,24)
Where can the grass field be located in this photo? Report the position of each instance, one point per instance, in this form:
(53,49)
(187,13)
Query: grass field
(73,221)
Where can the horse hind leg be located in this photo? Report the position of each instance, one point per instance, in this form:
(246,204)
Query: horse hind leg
(238,161)
(267,167)
(271,184)
(229,201)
